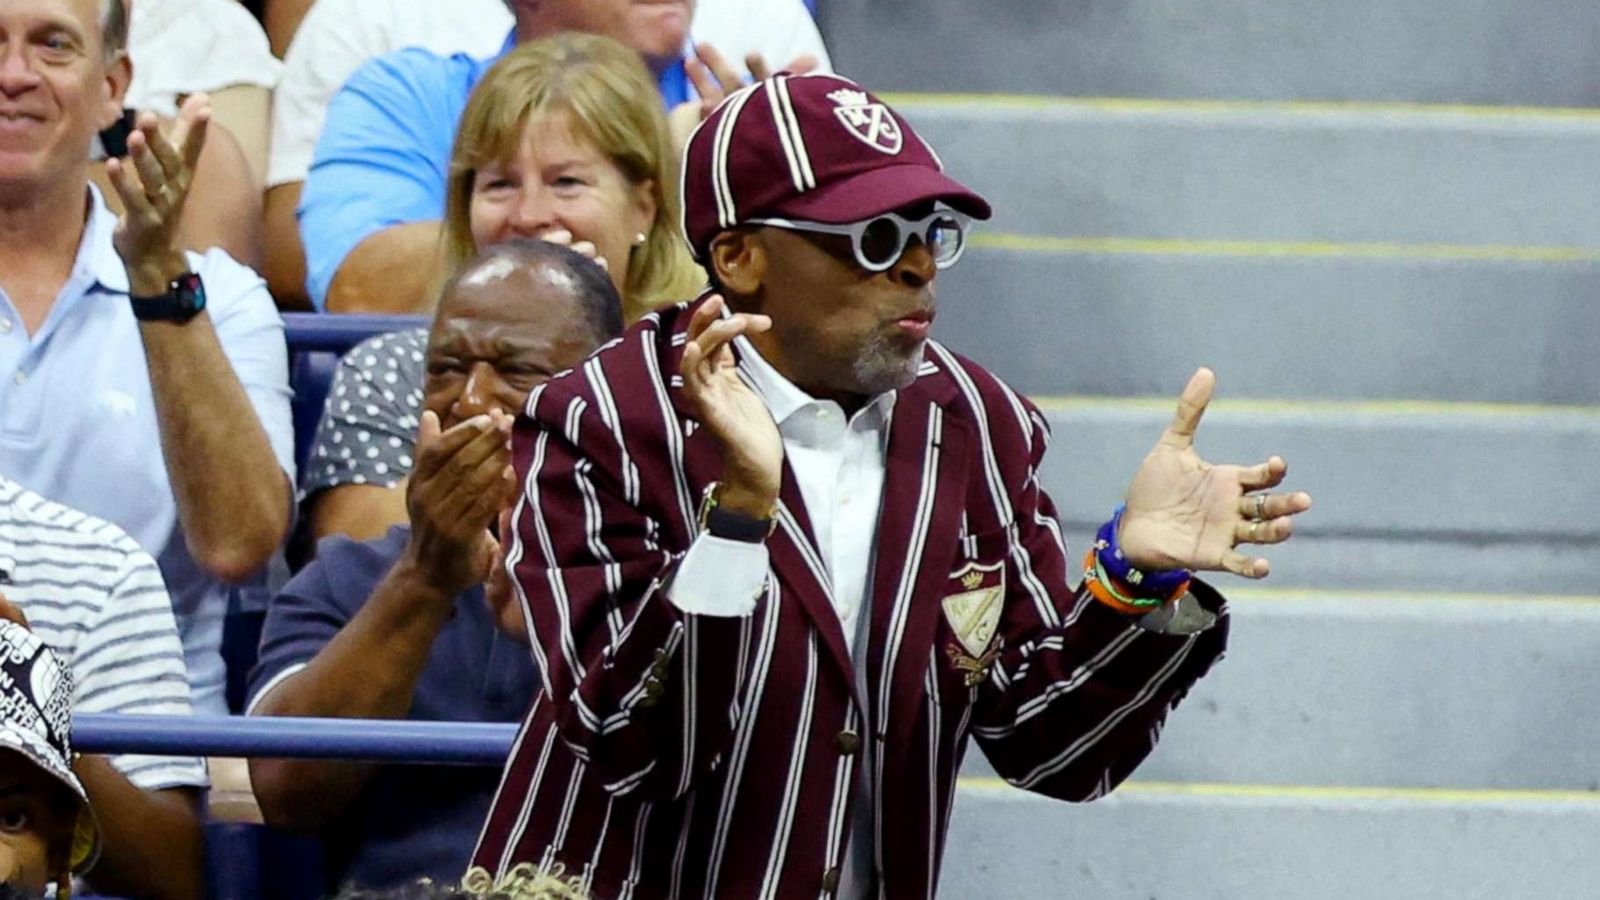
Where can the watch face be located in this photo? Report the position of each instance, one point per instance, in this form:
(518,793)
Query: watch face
(184,299)
(189,292)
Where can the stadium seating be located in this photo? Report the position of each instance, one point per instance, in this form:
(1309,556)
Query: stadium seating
(316,341)
(1376,221)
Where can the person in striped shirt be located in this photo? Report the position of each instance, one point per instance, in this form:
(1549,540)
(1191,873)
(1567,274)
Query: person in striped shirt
(86,589)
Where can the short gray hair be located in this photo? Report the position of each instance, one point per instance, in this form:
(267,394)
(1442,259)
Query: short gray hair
(113,26)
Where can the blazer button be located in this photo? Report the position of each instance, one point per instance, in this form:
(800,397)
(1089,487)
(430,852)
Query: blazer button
(847,743)
(658,669)
(830,880)
(652,694)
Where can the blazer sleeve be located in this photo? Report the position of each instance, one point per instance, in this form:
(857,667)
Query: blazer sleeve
(1079,694)
(644,693)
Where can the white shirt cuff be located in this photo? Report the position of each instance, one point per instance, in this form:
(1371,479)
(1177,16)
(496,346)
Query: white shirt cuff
(720,577)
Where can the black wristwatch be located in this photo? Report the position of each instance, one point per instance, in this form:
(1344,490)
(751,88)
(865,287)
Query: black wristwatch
(724,523)
(184,299)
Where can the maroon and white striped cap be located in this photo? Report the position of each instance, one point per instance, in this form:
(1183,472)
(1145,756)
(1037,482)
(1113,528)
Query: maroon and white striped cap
(816,148)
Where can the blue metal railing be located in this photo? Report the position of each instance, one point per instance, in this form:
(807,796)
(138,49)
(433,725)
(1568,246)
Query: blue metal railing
(336,333)
(365,740)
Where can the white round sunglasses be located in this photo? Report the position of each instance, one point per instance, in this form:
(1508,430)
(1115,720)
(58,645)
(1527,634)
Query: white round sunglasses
(880,241)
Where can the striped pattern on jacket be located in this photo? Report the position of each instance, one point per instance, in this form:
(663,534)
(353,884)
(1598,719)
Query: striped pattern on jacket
(686,756)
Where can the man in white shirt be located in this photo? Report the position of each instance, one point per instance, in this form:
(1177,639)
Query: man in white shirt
(138,383)
(86,589)
(337,36)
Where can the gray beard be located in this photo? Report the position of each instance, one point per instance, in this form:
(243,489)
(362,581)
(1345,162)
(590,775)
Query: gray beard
(881,367)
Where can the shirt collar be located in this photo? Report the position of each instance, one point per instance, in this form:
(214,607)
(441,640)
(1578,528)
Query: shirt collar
(95,267)
(98,263)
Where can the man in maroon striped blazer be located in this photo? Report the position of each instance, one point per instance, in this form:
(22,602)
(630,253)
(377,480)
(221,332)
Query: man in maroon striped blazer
(780,556)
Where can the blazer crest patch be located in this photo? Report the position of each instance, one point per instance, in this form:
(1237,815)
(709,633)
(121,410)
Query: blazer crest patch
(973,610)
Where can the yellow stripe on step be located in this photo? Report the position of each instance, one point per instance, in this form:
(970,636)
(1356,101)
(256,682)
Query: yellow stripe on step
(1118,246)
(1264,594)
(1282,407)
(1147,105)
(1452,796)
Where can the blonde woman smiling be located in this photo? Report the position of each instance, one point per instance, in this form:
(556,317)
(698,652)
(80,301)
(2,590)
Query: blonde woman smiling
(565,140)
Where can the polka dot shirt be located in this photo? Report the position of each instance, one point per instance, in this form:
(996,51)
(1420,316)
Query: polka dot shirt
(368,431)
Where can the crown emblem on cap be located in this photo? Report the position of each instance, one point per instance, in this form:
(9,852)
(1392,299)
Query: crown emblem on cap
(848,97)
(868,122)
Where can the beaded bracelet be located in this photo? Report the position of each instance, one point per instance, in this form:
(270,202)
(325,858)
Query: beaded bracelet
(1165,584)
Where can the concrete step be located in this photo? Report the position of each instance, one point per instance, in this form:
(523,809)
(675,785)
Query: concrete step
(1056,320)
(1272,172)
(1199,842)
(1408,497)
(1382,468)
(1436,497)
(1373,689)
(1451,51)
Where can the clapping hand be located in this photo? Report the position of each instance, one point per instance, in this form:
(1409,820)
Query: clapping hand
(714,77)
(460,484)
(1185,513)
(153,182)
(564,238)
(498,590)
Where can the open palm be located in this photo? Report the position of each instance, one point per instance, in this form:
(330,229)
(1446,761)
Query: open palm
(1185,513)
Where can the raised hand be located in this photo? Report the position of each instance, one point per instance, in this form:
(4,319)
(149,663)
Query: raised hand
(1185,513)
(461,482)
(800,65)
(714,77)
(583,248)
(154,183)
(752,450)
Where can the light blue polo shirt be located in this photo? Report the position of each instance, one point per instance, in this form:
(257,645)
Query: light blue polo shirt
(384,153)
(78,420)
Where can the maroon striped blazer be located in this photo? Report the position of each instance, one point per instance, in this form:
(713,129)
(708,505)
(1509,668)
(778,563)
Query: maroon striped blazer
(673,755)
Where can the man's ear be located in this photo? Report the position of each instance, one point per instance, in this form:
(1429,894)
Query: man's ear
(119,73)
(739,260)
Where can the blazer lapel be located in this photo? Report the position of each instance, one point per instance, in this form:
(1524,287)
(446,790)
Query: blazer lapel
(918,531)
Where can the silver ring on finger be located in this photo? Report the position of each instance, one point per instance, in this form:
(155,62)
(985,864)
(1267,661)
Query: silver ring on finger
(1261,508)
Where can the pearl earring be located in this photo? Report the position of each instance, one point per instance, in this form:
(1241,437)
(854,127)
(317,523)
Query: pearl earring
(639,239)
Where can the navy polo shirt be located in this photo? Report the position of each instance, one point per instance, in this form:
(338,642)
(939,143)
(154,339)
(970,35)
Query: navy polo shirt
(410,821)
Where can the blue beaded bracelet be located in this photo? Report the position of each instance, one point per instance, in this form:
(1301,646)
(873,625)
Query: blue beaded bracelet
(1162,583)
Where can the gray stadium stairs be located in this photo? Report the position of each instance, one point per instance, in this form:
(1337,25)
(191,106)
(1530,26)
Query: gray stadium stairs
(1380,224)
